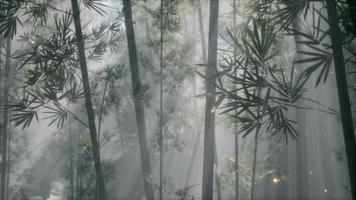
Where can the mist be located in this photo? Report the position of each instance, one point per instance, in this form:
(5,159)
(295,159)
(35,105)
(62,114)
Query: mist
(177,99)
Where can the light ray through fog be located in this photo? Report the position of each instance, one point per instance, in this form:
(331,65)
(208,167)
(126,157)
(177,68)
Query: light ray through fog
(275,77)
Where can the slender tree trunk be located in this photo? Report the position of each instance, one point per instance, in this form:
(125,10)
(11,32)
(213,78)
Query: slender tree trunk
(161,107)
(236,167)
(344,101)
(71,163)
(209,131)
(99,127)
(102,107)
(79,169)
(201,27)
(139,107)
(1,102)
(77,178)
(217,177)
(80,179)
(254,164)
(5,119)
(87,95)
(8,151)
(8,162)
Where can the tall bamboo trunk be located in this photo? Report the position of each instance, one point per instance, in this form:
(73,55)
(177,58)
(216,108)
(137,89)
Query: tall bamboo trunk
(209,129)
(201,28)
(254,165)
(78,171)
(71,163)
(8,154)
(5,119)
(99,127)
(8,162)
(217,177)
(161,107)
(80,189)
(88,103)
(236,166)
(139,107)
(343,94)
(1,100)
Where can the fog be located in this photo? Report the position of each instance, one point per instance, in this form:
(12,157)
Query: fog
(52,157)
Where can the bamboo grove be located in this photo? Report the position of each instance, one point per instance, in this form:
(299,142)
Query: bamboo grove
(142,99)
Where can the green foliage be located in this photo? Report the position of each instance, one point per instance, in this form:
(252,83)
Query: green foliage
(313,43)
(37,12)
(58,115)
(50,65)
(185,193)
(259,87)
(111,76)
(95,5)
(171,15)
(171,192)
(9,18)
(313,48)
(267,167)
(346,17)
(261,92)
(86,170)
(177,69)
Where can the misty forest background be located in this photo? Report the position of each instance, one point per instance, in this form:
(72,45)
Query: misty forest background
(177,99)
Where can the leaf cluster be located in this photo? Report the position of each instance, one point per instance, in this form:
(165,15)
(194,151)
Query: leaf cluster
(36,11)
(258,87)
(305,21)
(49,63)
(170,13)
